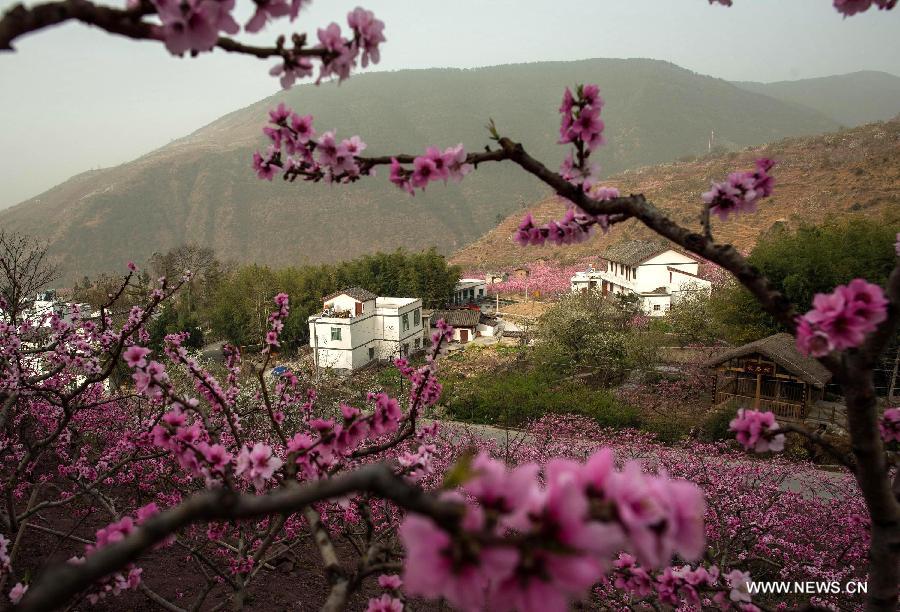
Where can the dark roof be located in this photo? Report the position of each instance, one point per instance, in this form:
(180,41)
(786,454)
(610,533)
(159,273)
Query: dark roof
(457,318)
(657,291)
(357,293)
(685,272)
(782,349)
(635,252)
(486,320)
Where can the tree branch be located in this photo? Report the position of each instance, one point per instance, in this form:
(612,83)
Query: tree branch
(64,581)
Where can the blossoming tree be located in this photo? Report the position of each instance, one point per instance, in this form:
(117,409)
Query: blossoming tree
(259,465)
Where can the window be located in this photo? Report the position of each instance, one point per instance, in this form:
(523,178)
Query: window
(656,307)
(405,321)
(335,333)
(371,353)
(481,293)
(417,317)
(406,348)
(416,343)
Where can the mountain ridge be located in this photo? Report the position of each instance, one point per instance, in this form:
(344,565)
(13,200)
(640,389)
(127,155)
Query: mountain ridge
(199,188)
(853,99)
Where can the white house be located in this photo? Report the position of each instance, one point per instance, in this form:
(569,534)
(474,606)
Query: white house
(655,272)
(468,324)
(469,290)
(46,304)
(357,327)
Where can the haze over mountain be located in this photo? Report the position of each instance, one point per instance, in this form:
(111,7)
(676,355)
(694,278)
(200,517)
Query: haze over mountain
(850,99)
(847,174)
(201,188)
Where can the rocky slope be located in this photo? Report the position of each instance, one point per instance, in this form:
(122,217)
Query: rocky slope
(853,172)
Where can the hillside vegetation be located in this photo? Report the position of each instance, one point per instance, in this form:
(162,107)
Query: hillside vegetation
(853,173)
(201,190)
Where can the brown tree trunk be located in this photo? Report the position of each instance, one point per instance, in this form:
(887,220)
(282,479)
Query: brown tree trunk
(874,482)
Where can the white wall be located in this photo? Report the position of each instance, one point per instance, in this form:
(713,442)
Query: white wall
(488,330)
(457,335)
(378,328)
(466,286)
(650,303)
(654,272)
(351,351)
(684,283)
(345,302)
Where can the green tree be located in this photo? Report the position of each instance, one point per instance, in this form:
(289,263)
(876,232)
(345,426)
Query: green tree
(242,300)
(692,319)
(591,333)
(808,260)
(242,304)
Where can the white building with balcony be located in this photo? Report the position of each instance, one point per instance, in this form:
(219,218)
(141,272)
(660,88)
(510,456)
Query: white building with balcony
(469,291)
(356,327)
(658,274)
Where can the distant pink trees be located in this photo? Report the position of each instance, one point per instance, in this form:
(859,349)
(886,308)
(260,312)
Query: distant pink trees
(541,279)
(241,469)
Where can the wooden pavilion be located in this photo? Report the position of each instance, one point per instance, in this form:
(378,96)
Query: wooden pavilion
(770,374)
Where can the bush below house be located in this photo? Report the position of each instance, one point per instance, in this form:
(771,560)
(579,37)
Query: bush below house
(513,399)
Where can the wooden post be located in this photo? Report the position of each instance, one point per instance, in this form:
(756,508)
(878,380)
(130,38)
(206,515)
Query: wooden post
(316,349)
(893,385)
(758,391)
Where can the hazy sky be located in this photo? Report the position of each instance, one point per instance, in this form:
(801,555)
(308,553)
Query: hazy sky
(72,98)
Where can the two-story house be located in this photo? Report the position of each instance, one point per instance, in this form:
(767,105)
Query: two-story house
(357,327)
(658,274)
(469,291)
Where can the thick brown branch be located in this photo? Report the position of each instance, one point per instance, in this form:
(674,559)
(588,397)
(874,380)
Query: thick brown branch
(63,582)
(816,437)
(20,20)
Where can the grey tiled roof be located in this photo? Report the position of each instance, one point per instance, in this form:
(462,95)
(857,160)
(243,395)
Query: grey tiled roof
(357,293)
(782,349)
(457,318)
(633,252)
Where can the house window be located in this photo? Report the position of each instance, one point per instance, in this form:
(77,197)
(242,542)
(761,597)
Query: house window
(335,333)
(656,307)
(406,348)
(371,353)
(405,321)
(416,343)
(417,317)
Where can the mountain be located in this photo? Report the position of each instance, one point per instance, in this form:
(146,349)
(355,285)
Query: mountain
(201,188)
(851,173)
(850,99)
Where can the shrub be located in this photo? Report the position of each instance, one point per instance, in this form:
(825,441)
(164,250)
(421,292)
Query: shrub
(516,398)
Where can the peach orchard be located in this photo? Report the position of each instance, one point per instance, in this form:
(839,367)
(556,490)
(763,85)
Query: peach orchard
(235,470)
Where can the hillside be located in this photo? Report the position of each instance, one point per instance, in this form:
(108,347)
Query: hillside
(854,172)
(201,189)
(850,99)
